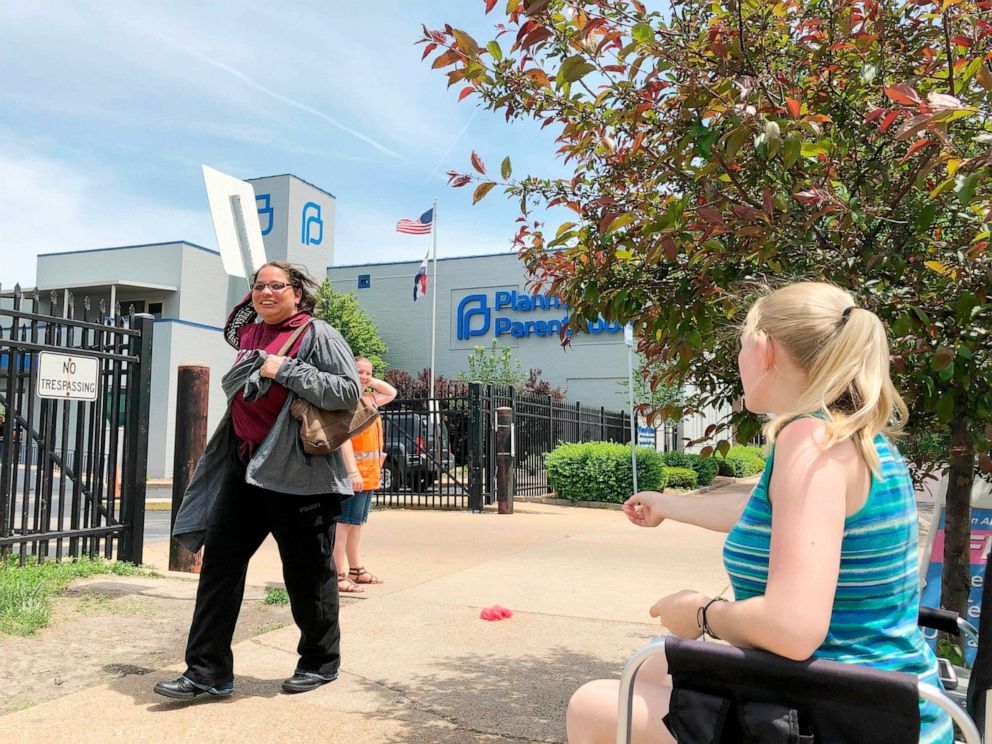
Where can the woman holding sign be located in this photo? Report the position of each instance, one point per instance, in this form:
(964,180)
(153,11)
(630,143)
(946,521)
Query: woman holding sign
(254,479)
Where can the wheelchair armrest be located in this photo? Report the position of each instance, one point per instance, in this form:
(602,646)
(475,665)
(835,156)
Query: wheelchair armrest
(945,621)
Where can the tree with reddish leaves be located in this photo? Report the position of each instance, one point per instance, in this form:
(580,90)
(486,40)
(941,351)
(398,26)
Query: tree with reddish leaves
(725,145)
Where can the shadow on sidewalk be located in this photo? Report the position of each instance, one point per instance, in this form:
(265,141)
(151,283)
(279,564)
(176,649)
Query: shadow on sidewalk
(140,690)
(474,697)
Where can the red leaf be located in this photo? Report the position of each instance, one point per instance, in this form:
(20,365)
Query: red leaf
(888,120)
(915,147)
(477,163)
(874,114)
(607,220)
(902,94)
(466,92)
(428,49)
(490,4)
(794,107)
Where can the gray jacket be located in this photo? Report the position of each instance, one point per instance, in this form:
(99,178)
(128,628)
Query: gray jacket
(324,373)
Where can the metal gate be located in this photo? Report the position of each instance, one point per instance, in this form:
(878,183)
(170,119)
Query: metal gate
(74,446)
(441,452)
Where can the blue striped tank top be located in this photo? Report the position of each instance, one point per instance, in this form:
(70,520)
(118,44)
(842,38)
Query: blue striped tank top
(874,618)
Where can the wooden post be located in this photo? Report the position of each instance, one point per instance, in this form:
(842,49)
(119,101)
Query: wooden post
(504,460)
(192,396)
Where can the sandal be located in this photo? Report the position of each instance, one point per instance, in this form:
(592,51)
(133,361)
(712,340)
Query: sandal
(361,576)
(347,586)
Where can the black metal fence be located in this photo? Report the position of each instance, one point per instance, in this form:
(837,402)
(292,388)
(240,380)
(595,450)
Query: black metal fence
(74,437)
(441,451)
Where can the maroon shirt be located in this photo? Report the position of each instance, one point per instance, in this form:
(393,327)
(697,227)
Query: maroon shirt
(253,421)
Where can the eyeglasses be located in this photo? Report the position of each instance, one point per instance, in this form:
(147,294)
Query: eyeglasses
(274,286)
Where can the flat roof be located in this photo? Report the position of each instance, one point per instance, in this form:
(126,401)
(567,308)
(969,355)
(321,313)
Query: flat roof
(415,260)
(125,283)
(302,180)
(138,245)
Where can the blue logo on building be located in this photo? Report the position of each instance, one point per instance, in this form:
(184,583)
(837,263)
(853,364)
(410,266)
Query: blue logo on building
(312,221)
(465,315)
(265,211)
(475,317)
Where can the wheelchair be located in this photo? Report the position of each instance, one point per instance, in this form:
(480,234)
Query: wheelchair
(723,694)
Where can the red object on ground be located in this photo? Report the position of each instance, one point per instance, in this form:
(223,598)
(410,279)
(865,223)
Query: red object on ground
(496,612)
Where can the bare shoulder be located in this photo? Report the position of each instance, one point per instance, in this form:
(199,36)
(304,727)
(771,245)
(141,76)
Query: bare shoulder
(801,451)
(812,434)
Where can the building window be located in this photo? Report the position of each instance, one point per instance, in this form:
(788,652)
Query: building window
(364,281)
(155,309)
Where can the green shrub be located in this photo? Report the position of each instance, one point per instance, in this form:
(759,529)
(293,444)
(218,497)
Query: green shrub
(706,469)
(566,469)
(741,461)
(600,471)
(681,477)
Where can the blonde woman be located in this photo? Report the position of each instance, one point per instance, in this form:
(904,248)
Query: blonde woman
(364,457)
(823,554)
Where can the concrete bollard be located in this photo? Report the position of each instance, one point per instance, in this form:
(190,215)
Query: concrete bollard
(192,395)
(504,460)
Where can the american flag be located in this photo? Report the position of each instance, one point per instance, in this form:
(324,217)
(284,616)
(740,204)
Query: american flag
(420,226)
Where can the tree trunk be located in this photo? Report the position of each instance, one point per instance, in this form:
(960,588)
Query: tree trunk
(956,579)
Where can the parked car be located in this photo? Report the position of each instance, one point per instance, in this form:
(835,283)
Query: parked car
(417,450)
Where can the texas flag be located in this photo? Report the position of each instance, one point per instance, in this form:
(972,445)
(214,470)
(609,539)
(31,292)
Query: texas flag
(420,280)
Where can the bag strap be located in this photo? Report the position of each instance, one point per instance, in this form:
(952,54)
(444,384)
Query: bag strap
(292,339)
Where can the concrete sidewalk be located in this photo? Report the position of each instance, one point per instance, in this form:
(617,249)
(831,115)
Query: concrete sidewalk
(418,665)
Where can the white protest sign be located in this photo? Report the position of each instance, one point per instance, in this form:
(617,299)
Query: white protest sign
(235,218)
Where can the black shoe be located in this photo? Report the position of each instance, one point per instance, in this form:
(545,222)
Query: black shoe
(306,681)
(184,688)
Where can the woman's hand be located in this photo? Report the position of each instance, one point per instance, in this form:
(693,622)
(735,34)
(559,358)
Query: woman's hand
(271,365)
(644,509)
(357,482)
(677,612)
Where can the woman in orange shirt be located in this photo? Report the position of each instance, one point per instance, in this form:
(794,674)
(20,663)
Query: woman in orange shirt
(364,456)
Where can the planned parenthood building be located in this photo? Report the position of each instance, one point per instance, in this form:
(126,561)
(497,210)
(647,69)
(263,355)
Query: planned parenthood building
(479,299)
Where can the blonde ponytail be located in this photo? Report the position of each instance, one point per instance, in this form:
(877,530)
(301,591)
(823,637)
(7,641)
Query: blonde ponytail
(845,353)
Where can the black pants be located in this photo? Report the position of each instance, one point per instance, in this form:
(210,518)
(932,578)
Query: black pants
(303,527)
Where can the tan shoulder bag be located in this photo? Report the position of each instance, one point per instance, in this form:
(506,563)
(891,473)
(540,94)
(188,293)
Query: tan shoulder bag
(322,432)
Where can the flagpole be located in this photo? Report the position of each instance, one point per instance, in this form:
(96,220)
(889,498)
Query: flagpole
(433,299)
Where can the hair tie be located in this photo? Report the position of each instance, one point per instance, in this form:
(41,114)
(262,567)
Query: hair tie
(847,313)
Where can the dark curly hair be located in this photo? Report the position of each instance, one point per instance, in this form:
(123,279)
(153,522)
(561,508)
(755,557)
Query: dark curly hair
(299,279)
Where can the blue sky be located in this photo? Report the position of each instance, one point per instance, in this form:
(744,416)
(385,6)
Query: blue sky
(109,108)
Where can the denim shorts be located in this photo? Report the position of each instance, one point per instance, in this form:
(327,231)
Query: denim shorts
(355,509)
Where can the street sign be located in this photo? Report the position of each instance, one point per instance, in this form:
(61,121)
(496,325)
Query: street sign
(646,436)
(236,225)
(67,377)
(628,334)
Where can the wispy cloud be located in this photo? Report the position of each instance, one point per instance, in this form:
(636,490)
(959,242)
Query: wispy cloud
(268,91)
(48,205)
(451,146)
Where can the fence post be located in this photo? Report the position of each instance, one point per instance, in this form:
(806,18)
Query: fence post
(602,423)
(139,393)
(504,460)
(475,444)
(192,395)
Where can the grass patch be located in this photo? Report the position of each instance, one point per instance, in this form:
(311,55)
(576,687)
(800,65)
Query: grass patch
(27,592)
(267,628)
(275,595)
(102,603)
